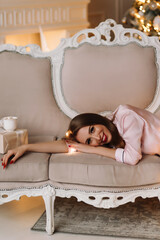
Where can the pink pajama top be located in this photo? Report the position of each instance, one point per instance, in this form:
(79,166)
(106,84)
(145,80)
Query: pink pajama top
(140,130)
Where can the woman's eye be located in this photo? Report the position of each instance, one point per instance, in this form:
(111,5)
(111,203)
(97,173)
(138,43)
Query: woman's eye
(88,141)
(91,129)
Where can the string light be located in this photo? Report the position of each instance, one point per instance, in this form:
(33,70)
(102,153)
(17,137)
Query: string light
(68,133)
(72,150)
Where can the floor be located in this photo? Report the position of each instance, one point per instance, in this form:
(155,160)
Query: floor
(17,217)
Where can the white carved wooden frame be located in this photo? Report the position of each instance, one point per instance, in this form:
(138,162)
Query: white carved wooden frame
(110,34)
(101,199)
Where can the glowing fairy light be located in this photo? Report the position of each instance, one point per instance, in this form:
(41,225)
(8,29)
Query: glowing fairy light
(137,15)
(72,150)
(68,133)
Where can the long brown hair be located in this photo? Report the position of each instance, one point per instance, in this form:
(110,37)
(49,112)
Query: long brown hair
(89,119)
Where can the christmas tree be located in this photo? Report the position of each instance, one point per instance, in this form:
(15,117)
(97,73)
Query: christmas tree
(144,15)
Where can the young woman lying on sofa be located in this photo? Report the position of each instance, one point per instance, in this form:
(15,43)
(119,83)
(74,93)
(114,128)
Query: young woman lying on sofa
(124,136)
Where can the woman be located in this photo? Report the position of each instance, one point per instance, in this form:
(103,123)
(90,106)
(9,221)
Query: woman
(124,136)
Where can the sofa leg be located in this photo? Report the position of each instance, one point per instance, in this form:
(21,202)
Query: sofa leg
(49,204)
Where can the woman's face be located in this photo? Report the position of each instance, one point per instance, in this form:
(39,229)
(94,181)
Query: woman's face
(94,135)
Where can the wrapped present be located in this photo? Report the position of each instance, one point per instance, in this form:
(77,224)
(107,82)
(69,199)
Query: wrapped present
(10,140)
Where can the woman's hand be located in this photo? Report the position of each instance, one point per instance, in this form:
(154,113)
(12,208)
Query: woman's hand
(15,153)
(79,147)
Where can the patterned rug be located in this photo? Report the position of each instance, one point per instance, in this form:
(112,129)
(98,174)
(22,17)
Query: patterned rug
(133,220)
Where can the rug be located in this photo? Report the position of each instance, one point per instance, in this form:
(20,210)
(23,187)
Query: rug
(133,220)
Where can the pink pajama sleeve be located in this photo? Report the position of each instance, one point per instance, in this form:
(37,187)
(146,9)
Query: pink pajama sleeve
(132,135)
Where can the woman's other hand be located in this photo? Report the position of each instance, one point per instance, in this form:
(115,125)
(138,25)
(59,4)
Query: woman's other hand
(14,154)
(58,146)
(79,147)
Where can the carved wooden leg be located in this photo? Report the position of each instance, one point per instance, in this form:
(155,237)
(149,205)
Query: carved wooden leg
(49,204)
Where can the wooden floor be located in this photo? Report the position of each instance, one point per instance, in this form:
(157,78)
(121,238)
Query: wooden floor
(17,217)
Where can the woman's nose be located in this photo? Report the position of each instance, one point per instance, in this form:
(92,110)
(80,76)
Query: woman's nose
(97,137)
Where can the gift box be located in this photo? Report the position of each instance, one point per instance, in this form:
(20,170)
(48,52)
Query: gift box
(10,140)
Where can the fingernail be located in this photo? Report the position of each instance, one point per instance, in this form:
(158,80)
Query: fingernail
(1,159)
(4,166)
(69,145)
(11,162)
(2,163)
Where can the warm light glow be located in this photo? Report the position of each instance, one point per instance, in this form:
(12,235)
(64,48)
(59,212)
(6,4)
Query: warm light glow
(68,133)
(47,40)
(144,15)
(146,28)
(141,8)
(52,38)
(141,1)
(72,150)
(137,15)
(23,39)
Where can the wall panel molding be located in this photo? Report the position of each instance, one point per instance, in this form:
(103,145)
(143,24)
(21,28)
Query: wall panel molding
(22,16)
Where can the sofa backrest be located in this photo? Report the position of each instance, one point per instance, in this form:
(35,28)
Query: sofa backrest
(26,92)
(108,76)
(94,71)
(104,67)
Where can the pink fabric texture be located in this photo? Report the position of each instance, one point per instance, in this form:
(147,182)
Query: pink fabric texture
(140,130)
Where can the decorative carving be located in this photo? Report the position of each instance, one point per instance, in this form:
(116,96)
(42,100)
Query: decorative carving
(110,34)
(105,199)
(109,199)
(31,49)
(49,198)
(48,194)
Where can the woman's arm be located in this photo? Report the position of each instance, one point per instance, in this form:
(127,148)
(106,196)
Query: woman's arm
(107,152)
(47,147)
(133,127)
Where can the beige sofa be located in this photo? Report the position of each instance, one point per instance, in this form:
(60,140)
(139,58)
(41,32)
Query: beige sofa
(94,71)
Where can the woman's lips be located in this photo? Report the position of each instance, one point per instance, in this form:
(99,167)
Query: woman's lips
(104,138)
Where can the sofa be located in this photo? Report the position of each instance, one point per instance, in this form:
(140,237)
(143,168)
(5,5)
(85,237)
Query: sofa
(96,70)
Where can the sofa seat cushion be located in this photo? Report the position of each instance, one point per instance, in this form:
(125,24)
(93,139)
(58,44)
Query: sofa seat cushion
(32,167)
(94,170)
